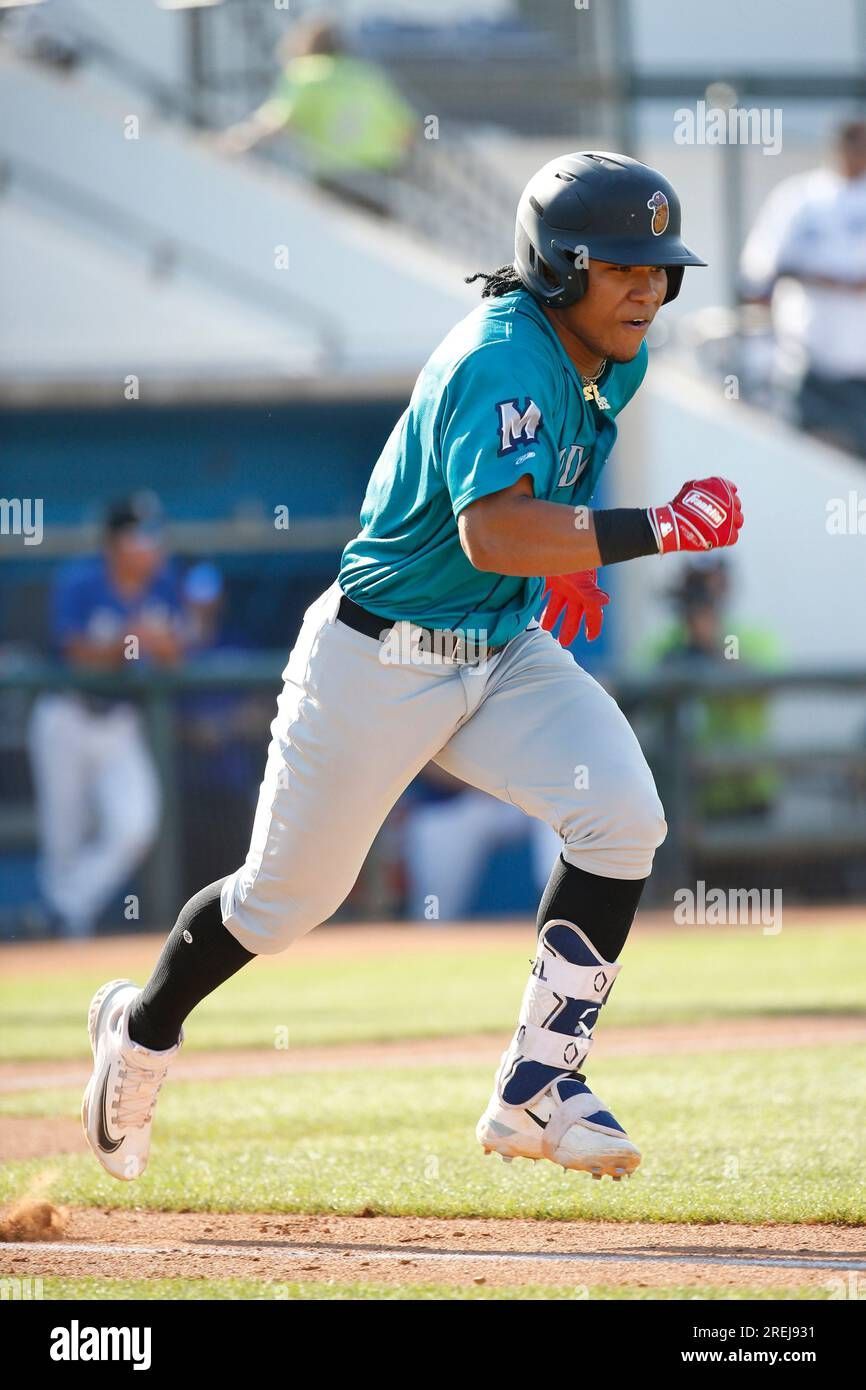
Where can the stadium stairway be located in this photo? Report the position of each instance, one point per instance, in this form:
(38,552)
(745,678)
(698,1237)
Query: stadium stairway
(131,238)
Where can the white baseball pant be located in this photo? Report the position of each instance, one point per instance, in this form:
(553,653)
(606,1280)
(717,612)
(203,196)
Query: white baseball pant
(529,726)
(98,801)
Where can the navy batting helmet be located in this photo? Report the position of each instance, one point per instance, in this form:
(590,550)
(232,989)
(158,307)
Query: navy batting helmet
(596,205)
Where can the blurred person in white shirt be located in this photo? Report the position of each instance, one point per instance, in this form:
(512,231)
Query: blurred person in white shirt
(806,257)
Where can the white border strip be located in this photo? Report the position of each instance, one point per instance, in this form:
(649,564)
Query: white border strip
(250,1250)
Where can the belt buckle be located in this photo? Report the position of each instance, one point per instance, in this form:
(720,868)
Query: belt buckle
(460,649)
(472,653)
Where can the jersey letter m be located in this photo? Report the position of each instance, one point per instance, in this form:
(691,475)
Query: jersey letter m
(516,429)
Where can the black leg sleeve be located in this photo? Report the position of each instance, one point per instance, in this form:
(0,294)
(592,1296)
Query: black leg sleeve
(198,956)
(603,908)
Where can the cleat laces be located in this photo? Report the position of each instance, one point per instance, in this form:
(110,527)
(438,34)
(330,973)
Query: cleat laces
(135,1093)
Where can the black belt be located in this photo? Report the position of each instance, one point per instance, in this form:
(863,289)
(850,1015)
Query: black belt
(441,641)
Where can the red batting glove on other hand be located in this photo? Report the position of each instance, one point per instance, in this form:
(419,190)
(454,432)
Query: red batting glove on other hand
(704,515)
(578,597)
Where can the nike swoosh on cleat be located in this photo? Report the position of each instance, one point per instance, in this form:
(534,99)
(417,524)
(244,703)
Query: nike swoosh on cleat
(542,1124)
(107,1144)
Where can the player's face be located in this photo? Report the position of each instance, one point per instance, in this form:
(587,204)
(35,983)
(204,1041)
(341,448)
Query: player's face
(620,303)
(853,157)
(135,557)
(703,628)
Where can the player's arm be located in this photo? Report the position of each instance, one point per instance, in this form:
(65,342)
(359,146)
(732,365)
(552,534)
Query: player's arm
(528,537)
(262,125)
(105,654)
(275,116)
(496,451)
(513,532)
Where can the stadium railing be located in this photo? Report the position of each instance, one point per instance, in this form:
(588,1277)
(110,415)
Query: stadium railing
(821,798)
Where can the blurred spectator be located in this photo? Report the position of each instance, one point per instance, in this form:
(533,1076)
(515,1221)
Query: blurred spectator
(350,121)
(203,599)
(222,733)
(45,33)
(450,832)
(806,255)
(96,785)
(696,642)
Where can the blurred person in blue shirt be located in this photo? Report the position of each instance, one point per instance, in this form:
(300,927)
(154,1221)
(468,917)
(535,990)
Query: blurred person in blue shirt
(97,791)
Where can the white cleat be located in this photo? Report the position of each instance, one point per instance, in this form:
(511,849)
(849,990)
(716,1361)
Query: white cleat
(568,1125)
(117,1109)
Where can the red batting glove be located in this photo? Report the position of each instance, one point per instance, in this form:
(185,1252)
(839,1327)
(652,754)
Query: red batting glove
(578,597)
(704,515)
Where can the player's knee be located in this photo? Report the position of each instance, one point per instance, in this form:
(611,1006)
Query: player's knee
(618,827)
(268,916)
(645,816)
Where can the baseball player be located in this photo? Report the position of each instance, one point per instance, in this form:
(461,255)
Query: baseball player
(427,647)
(97,789)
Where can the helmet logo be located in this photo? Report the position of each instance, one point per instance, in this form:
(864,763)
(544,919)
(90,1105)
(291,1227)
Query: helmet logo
(660,209)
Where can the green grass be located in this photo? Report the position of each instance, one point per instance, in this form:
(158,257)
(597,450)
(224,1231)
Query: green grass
(763,1136)
(685,975)
(174,1290)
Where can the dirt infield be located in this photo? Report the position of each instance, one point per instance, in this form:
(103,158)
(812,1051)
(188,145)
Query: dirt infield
(409,1250)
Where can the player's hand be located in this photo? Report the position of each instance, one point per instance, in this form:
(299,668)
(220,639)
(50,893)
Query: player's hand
(578,597)
(705,515)
(160,643)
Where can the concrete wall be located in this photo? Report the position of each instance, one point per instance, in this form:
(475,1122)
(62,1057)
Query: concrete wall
(791,575)
(361,297)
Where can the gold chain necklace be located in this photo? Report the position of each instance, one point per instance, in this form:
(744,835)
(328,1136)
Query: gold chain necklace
(591,380)
(591,391)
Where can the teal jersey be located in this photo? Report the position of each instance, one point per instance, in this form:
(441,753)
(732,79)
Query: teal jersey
(498,399)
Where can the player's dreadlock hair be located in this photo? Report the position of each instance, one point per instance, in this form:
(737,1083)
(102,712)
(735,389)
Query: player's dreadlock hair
(505,280)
